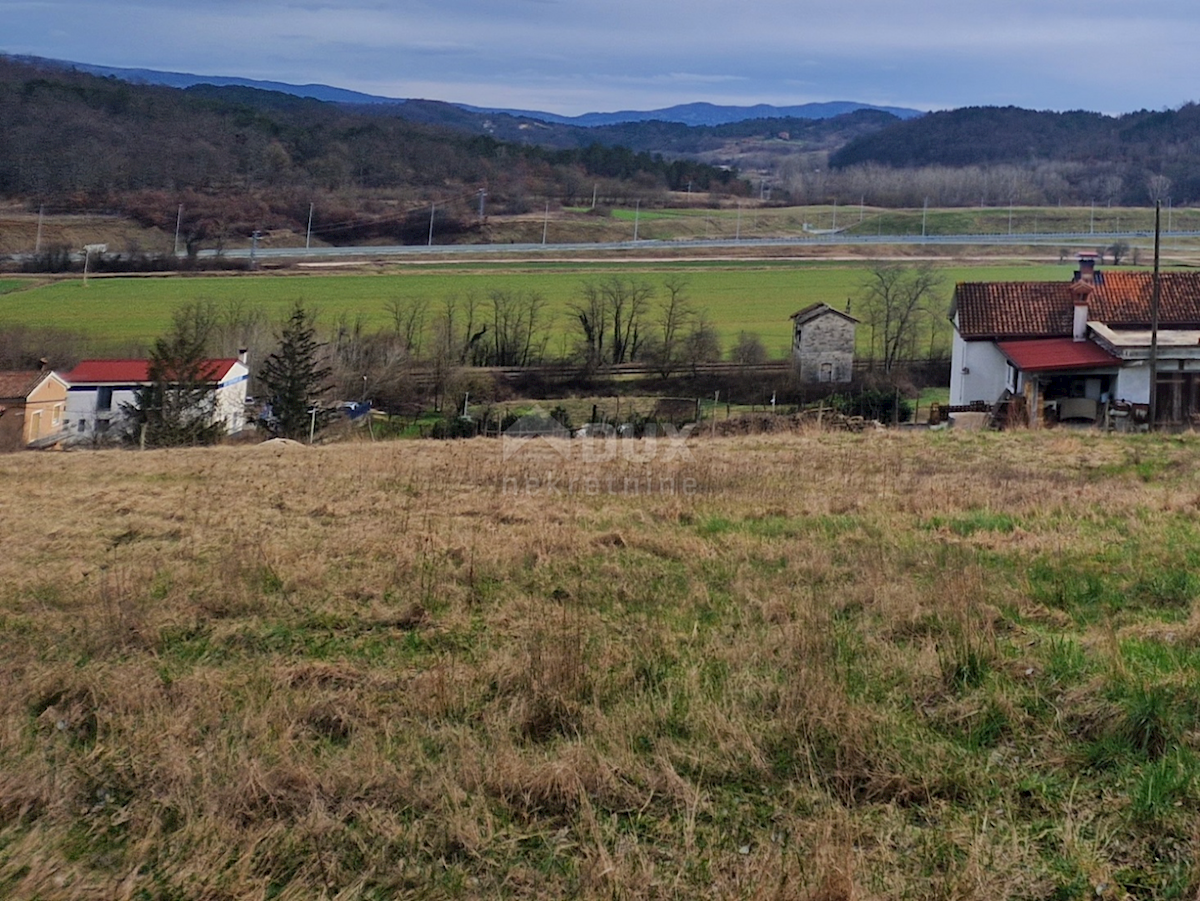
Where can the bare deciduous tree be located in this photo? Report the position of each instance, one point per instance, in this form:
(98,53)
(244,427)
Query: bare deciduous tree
(749,350)
(702,344)
(896,301)
(674,316)
(408,321)
(518,328)
(610,316)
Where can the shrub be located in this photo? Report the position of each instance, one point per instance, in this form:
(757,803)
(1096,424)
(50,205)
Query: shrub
(874,403)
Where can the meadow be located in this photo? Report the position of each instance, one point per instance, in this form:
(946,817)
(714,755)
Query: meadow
(822,666)
(118,313)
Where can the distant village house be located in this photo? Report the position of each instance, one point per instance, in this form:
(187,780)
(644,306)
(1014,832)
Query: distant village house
(32,408)
(823,344)
(1078,349)
(101,389)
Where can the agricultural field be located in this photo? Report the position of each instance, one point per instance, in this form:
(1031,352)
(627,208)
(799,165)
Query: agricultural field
(757,296)
(827,666)
(688,219)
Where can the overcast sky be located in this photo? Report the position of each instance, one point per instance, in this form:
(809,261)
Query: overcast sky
(576,56)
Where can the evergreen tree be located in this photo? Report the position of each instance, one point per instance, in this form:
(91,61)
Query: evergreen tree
(294,379)
(176,408)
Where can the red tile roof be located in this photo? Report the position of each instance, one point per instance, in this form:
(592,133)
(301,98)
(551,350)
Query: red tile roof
(129,372)
(17,384)
(1046,309)
(1051,354)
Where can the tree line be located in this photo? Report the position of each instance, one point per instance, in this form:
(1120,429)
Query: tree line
(998,155)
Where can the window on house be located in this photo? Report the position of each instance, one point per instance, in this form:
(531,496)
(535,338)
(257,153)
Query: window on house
(1010,377)
(104,399)
(826,372)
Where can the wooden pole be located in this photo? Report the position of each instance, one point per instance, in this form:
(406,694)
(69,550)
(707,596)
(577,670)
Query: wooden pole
(1154,301)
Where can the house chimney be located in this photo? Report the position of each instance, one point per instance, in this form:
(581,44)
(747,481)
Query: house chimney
(1079,326)
(242,355)
(1087,268)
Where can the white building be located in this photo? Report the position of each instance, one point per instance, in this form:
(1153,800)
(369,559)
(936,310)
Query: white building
(1076,349)
(99,391)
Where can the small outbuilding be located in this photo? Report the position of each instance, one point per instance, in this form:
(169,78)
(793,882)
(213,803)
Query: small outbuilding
(823,344)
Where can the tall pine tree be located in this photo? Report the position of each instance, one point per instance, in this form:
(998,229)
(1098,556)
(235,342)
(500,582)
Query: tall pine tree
(177,406)
(294,379)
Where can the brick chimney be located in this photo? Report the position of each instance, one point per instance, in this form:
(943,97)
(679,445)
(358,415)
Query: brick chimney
(1087,269)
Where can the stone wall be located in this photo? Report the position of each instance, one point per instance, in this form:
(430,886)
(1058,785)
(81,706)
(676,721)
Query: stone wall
(824,351)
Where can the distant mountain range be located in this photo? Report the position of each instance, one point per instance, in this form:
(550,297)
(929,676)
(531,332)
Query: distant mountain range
(692,114)
(708,113)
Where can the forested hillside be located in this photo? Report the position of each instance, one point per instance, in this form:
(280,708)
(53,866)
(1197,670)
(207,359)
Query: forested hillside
(240,159)
(1132,159)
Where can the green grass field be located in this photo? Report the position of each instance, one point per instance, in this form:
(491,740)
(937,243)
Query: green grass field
(814,666)
(755,296)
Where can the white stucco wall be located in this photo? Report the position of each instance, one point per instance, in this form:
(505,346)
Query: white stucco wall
(231,398)
(985,371)
(1133,385)
(82,416)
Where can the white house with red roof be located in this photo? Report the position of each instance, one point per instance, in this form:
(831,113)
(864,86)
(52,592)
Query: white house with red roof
(99,390)
(1072,348)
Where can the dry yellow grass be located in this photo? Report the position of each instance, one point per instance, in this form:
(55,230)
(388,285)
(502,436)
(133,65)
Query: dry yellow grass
(803,666)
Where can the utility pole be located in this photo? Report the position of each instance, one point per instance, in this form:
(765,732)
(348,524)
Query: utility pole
(737,235)
(482,194)
(432,207)
(88,250)
(178,225)
(545,223)
(924,216)
(636,214)
(254,248)
(37,244)
(1154,300)
(308,238)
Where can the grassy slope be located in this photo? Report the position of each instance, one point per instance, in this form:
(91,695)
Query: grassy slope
(871,666)
(752,296)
